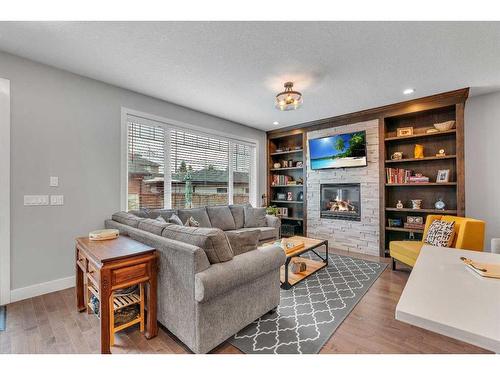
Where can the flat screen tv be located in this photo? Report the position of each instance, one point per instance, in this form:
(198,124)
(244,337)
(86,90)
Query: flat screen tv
(338,151)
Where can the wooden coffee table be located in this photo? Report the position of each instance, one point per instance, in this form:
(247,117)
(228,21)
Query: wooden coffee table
(289,279)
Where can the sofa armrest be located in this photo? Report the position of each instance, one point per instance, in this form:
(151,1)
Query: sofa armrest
(222,277)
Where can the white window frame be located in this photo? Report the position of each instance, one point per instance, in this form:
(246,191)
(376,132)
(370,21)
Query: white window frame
(4,191)
(168,125)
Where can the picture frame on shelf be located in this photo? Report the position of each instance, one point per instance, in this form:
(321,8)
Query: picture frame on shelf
(280,196)
(443,176)
(289,196)
(404,132)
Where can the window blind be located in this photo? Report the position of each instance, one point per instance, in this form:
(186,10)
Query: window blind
(242,156)
(146,165)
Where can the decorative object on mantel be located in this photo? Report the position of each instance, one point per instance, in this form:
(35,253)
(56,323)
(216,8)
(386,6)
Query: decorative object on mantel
(439,205)
(441,153)
(444,126)
(403,132)
(419,152)
(289,99)
(297,265)
(398,155)
(399,204)
(277,165)
(104,234)
(443,176)
(289,196)
(300,196)
(416,204)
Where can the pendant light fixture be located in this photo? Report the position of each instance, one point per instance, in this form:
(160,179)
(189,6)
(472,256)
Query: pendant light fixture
(288,99)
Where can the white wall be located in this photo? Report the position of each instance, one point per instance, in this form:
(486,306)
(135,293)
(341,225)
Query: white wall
(69,126)
(482,162)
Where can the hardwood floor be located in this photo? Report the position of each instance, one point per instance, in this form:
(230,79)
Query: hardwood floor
(51,324)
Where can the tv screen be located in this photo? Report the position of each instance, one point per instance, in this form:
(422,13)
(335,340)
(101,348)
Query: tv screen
(338,151)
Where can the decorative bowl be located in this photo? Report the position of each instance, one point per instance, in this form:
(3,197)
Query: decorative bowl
(444,126)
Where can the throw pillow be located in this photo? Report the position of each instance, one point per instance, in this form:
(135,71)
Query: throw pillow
(174,219)
(161,219)
(242,242)
(255,217)
(191,222)
(440,233)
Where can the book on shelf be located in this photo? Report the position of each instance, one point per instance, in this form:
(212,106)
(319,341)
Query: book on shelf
(404,176)
(279,179)
(414,226)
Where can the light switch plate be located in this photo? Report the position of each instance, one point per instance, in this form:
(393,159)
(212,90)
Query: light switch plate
(56,200)
(54,181)
(36,200)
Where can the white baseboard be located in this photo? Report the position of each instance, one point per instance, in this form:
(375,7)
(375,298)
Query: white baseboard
(40,289)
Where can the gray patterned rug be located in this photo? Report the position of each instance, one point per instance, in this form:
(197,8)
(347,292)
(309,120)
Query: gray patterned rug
(310,312)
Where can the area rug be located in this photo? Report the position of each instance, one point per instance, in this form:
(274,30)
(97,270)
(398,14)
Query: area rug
(311,311)
(3,316)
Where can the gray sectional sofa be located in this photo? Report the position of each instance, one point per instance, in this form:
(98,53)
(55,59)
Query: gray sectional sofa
(214,279)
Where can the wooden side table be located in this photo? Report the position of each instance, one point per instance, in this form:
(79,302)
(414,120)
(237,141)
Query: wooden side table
(111,265)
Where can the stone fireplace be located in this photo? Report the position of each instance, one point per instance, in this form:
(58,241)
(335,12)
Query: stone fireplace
(355,228)
(340,201)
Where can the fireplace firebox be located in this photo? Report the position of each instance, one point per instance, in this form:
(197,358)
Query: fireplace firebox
(340,201)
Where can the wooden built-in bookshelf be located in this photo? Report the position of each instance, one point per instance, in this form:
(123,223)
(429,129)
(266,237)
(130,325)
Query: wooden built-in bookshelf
(452,192)
(288,147)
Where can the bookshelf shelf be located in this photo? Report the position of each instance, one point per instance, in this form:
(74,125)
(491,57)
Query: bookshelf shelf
(422,184)
(281,186)
(286,169)
(428,158)
(422,135)
(422,210)
(398,229)
(292,202)
(285,152)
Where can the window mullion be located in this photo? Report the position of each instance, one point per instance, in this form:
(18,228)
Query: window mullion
(231,174)
(167,175)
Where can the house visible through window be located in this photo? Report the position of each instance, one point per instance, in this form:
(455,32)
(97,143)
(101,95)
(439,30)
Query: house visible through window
(203,170)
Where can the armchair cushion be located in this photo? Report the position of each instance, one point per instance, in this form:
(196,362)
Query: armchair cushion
(405,251)
(222,277)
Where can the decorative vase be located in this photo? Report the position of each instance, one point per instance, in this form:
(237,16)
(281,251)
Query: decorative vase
(440,205)
(399,204)
(416,204)
(419,152)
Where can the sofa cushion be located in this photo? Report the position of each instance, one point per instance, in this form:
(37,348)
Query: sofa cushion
(174,219)
(140,213)
(153,226)
(255,217)
(221,217)
(164,213)
(238,212)
(126,218)
(212,240)
(405,251)
(199,214)
(266,233)
(243,241)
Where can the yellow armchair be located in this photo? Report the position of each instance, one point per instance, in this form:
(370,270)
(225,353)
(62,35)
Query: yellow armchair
(469,235)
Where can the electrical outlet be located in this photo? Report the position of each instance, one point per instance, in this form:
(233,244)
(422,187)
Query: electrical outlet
(54,181)
(56,200)
(36,200)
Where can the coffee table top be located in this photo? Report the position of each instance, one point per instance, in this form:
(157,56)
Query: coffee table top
(443,295)
(309,244)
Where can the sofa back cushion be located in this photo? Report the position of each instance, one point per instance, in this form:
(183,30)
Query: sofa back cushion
(126,218)
(153,226)
(164,213)
(221,217)
(212,240)
(238,212)
(255,217)
(198,214)
(244,241)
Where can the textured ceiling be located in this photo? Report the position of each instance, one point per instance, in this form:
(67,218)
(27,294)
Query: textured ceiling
(234,69)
